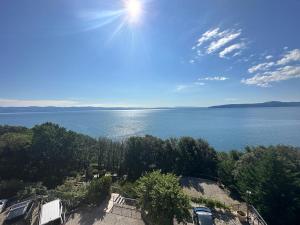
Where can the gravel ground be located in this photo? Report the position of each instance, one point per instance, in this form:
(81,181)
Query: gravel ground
(196,187)
(97,216)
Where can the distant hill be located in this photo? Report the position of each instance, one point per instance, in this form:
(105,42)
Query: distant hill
(51,109)
(264,104)
(63,109)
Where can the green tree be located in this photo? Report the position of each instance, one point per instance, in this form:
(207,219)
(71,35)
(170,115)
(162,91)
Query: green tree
(196,157)
(226,165)
(99,189)
(142,155)
(161,196)
(14,154)
(273,176)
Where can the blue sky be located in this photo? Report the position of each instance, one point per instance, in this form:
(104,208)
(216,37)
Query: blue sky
(174,53)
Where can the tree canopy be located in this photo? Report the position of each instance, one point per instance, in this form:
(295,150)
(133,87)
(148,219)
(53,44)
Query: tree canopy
(272,175)
(49,154)
(161,196)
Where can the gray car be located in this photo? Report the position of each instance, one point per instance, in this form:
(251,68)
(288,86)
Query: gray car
(202,216)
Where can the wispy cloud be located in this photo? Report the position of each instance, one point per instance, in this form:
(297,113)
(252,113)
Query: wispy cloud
(181,87)
(269,57)
(216,78)
(208,35)
(199,82)
(280,74)
(5,102)
(228,37)
(189,86)
(261,67)
(285,68)
(291,56)
(216,40)
(24,103)
(230,49)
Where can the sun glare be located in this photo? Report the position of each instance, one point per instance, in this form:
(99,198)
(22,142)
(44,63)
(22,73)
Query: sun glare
(134,10)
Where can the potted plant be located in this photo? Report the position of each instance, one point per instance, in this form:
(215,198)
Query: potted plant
(242,216)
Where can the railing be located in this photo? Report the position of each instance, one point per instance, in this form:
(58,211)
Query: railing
(254,217)
(125,207)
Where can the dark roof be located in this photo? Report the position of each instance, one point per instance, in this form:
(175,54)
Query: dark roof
(18,210)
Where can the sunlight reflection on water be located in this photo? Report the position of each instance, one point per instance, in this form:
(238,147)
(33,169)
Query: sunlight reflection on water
(224,129)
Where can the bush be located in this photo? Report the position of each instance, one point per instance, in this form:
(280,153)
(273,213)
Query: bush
(99,189)
(72,192)
(31,190)
(126,189)
(211,203)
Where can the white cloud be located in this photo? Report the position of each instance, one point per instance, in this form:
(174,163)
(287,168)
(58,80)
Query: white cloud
(280,74)
(228,37)
(260,67)
(182,87)
(269,57)
(215,41)
(230,49)
(199,83)
(193,85)
(216,78)
(207,36)
(291,56)
(25,103)
(269,72)
(63,103)
(192,61)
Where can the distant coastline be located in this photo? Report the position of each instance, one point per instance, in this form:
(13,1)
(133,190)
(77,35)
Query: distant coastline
(257,105)
(92,108)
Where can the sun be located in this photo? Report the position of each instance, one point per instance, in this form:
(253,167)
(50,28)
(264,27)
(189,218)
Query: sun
(133,10)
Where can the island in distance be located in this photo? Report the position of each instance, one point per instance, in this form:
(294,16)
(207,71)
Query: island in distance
(264,104)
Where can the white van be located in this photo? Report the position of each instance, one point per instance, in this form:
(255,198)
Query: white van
(52,213)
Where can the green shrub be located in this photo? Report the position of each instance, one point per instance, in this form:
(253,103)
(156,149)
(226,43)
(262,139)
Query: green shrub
(99,189)
(32,189)
(72,192)
(211,203)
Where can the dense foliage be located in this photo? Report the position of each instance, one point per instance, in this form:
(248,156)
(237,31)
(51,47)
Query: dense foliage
(99,189)
(184,156)
(47,154)
(161,196)
(272,175)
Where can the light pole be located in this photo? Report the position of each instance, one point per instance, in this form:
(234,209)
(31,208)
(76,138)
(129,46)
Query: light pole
(247,202)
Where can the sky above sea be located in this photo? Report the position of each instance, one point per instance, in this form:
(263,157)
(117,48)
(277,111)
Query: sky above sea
(148,53)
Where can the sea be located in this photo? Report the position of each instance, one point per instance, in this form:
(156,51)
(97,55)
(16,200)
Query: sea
(224,128)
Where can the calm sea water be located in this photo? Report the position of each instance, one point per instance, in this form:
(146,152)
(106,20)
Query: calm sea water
(224,129)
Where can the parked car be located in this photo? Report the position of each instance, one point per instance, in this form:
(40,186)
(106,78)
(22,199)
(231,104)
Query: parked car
(202,216)
(52,213)
(20,212)
(2,205)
